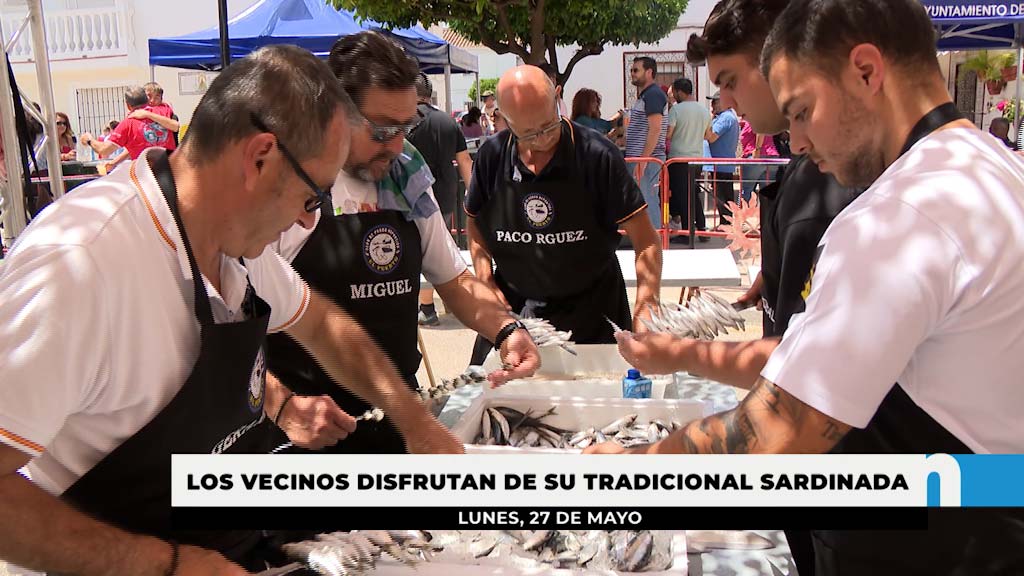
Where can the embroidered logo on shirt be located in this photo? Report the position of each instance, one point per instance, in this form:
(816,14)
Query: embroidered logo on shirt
(540,211)
(154,133)
(257,381)
(382,249)
(810,276)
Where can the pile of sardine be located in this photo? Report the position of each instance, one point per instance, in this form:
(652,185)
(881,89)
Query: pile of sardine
(544,333)
(504,426)
(704,317)
(473,375)
(355,553)
(621,550)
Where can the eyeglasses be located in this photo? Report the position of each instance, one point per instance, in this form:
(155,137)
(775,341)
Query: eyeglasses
(320,196)
(386,133)
(533,136)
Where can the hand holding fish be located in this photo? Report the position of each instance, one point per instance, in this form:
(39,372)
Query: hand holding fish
(519,359)
(652,353)
(315,422)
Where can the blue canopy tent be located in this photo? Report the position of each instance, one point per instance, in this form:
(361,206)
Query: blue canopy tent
(434,54)
(980,25)
(311,24)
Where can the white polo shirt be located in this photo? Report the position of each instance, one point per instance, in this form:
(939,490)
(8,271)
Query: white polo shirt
(98,329)
(921,281)
(442,261)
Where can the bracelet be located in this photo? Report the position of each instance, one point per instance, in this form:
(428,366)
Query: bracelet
(175,558)
(507,331)
(283,404)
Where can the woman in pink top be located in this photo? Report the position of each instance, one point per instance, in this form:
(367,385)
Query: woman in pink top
(756,146)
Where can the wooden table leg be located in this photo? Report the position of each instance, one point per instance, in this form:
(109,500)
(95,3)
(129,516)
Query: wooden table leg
(426,358)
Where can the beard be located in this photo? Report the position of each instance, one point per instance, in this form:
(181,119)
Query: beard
(858,131)
(374,169)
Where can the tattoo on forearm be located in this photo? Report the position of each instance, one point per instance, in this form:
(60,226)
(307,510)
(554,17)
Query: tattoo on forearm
(768,420)
(832,433)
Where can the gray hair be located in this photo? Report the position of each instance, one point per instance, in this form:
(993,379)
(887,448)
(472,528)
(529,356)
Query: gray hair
(286,87)
(135,96)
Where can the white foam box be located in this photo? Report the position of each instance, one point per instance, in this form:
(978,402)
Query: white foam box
(596,372)
(497,567)
(572,414)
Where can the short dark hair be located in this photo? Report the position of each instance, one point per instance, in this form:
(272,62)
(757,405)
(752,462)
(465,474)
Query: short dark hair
(135,96)
(684,85)
(648,63)
(424,88)
(734,27)
(370,60)
(822,33)
(286,87)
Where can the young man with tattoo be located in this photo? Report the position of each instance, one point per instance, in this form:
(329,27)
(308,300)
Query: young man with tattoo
(913,283)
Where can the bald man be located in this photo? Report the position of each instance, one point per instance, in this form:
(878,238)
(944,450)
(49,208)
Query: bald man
(546,201)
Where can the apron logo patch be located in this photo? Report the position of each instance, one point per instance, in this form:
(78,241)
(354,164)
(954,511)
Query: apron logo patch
(540,211)
(257,382)
(382,249)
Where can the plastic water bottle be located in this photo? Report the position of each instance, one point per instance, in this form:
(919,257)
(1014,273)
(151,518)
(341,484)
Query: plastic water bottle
(635,386)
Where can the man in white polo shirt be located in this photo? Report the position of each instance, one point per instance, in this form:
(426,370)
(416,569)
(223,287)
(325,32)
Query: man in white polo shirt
(910,342)
(114,358)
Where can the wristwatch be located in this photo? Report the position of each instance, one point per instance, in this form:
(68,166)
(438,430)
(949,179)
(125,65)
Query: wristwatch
(507,331)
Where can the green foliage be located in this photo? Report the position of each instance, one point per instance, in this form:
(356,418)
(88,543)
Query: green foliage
(486,84)
(989,65)
(531,28)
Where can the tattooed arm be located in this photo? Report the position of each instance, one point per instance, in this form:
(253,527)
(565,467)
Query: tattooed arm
(768,421)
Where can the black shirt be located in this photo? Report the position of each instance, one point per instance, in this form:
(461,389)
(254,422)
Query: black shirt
(599,164)
(796,210)
(439,139)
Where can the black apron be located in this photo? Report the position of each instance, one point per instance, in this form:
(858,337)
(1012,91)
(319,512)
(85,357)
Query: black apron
(960,542)
(549,247)
(218,409)
(369,264)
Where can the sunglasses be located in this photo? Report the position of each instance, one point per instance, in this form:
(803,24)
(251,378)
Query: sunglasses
(385,133)
(314,202)
(60,123)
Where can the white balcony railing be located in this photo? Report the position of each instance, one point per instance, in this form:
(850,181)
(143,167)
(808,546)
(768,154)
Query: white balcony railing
(73,34)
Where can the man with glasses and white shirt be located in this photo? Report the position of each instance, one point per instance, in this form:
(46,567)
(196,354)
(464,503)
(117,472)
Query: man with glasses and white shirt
(367,249)
(546,202)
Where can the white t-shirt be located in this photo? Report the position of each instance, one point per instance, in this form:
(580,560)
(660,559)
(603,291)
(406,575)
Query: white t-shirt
(99,329)
(442,261)
(920,281)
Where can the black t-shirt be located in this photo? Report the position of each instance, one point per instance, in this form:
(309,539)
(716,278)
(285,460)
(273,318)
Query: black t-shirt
(795,212)
(439,139)
(599,164)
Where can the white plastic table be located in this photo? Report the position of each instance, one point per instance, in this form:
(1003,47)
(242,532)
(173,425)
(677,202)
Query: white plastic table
(680,268)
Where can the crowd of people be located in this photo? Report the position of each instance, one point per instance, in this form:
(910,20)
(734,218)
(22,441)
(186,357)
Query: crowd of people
(260,284)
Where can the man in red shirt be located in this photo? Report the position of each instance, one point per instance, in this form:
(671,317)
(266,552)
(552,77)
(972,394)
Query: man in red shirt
(141,128)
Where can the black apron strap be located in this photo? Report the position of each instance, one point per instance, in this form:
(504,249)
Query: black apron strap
(162,172)
(931,122)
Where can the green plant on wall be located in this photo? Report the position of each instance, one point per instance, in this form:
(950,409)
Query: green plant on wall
(989,65)
(487,84)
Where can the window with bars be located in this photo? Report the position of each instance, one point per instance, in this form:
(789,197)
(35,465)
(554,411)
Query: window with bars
(98,106)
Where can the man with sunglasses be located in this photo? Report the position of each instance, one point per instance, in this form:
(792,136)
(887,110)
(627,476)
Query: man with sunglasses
(546,201)
(368,247)
(156,287)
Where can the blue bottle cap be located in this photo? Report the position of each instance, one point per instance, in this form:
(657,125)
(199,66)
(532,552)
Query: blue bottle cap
(633,373)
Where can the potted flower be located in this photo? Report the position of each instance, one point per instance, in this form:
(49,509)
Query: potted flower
(1008,69)
(990,68)
(1009,109)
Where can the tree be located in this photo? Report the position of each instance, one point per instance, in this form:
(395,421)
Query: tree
(531,29)
(485,85)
